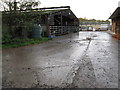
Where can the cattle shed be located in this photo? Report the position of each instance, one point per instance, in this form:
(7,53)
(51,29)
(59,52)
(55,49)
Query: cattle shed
(58,21)
(52,21)
(115,17)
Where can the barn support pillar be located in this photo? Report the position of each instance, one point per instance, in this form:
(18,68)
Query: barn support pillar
(47,23)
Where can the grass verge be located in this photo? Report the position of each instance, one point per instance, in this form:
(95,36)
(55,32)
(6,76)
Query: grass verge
(24,42)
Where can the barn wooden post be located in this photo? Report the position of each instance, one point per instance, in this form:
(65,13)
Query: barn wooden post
(47,23)
(61,24)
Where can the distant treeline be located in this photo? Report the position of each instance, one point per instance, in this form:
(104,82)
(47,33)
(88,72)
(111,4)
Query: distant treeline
(85,20)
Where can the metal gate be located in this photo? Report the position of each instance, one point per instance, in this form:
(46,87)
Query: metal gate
(61,30)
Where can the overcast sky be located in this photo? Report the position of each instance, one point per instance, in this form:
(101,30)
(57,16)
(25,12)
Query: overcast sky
(97,9)
(91,9)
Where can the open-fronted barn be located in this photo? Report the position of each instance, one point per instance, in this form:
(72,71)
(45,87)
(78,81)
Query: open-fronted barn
(50,21)
(58,20)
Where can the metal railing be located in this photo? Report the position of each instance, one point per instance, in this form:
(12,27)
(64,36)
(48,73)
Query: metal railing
(60,30)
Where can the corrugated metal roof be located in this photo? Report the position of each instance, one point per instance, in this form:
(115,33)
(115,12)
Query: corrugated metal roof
(41,12)
(46,10)
(50,11)
(115,14)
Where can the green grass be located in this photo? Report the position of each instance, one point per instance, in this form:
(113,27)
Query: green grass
(25,42)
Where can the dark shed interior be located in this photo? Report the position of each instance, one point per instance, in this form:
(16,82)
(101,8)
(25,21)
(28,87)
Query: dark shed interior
(58,21)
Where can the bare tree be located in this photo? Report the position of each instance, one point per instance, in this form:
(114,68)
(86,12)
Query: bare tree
(28,4)
(11,5)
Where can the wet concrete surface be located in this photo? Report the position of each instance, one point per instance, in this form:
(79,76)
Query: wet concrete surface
(78,60)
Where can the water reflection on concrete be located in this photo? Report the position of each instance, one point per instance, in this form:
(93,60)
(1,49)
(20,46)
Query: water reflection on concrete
(81,60)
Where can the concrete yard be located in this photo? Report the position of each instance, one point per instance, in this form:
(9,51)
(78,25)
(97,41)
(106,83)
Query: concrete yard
(80,60)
